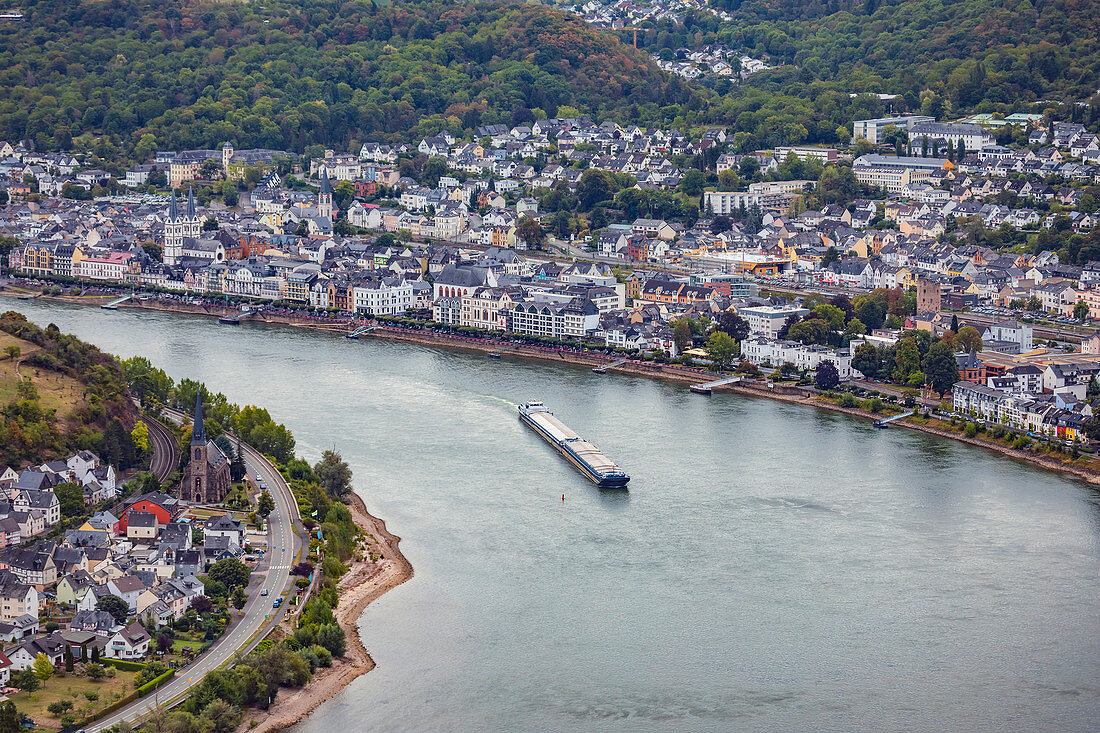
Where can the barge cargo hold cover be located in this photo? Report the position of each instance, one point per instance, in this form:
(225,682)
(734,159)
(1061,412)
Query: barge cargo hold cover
(599,469)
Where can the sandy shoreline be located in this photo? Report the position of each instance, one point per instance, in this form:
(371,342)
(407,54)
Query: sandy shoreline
(364,582)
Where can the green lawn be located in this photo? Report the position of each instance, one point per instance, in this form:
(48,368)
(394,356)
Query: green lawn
(72,687)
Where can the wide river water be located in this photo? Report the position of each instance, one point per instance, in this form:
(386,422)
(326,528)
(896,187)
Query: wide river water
(772,567)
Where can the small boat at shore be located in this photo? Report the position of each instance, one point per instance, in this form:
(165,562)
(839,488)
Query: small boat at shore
(494,355)
(598,468)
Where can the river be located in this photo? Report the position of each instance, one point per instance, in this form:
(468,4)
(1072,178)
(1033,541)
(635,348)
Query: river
(771,568)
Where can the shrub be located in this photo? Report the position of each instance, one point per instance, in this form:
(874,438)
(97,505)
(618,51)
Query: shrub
(324,656)
(333,568)
(1021,442)
(971,430)
(846,400)
(59,707)
(874,405)
(150,671)
(155,683)
(997,431)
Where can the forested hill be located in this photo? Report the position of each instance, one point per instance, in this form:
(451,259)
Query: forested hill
(967,51)
(287,74)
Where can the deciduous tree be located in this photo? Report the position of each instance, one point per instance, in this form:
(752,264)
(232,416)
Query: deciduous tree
(43,668)
(265,504)
(112,604)
(530,231)
(940,368)
(71,497)
(826,376)
(230,572)
(721,349)
(968,339)
(334,474)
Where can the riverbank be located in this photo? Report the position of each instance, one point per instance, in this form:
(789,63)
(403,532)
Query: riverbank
(667,372)
(365,581)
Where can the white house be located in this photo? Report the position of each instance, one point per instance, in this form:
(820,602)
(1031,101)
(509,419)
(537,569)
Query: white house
(761,350)
(130,643)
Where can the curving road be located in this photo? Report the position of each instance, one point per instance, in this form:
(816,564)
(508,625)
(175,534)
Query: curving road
(273,574)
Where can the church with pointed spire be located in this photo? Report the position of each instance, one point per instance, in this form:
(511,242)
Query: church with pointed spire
(206,479)
(324,197)
(177,227)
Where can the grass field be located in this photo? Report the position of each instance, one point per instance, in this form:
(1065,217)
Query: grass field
(55,391)
(72,688)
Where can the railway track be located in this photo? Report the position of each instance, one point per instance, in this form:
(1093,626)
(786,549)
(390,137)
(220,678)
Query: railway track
(165,449)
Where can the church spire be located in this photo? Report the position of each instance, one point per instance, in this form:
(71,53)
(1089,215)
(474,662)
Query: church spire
(173,211)
(198,430)
(326,189)
(190,203)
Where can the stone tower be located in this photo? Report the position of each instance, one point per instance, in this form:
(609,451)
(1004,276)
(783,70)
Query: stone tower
(207,477)
(192,226)
(199,454)
(177,228)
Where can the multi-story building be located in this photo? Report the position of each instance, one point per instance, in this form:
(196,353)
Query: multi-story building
(895,173)
(109,266)
(387,296)
(38,259)
(760,350)
(557,320)
(973,137)
(870,130)
(825,155)
(767,320)
(486,306)
(185,166)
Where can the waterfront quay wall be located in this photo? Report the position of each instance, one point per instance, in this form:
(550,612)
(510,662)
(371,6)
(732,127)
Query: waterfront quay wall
(784,393)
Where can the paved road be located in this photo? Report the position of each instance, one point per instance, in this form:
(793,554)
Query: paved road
(1070,334)
(283,544)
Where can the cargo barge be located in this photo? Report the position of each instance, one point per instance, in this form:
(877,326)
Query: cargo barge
(597,467)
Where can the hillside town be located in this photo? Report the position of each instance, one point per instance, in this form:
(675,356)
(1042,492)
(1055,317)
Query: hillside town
(115,577)
(476,243)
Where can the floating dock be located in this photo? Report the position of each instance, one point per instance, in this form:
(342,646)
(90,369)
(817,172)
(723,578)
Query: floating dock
(359,332)
(886,421)
(114,304)
(612,365)
(708,388)
(598,468)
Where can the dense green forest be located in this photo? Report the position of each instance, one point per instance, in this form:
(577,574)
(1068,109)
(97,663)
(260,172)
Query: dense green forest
(941,58)
(966,51)
(286,75)
(133,77)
